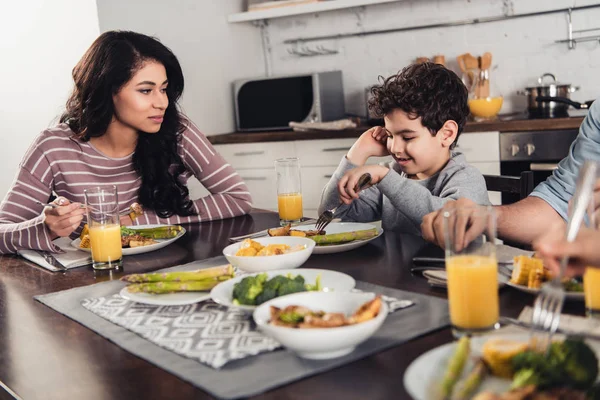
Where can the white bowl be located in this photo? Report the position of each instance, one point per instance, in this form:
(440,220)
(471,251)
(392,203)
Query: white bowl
(269,263)
(331,281)
(321,343)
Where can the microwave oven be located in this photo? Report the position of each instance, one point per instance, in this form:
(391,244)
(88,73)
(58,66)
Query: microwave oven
(272,103)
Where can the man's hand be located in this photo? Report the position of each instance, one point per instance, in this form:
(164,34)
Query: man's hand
(463,226)
(371,143)
(62,221)
(582,252)
(347,185)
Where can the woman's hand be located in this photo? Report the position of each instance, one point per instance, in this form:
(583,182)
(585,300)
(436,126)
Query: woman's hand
(582,252)
(347,185)
(62,221)
(371,143)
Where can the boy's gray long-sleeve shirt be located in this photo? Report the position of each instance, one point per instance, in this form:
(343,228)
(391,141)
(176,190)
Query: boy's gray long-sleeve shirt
(400,202)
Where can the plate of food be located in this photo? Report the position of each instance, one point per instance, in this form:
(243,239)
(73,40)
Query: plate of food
(337,236)
(529,274)
(486,367)
(248,291)
(138,239)
(174,288)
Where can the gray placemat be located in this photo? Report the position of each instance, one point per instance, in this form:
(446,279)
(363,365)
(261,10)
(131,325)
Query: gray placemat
(253,375)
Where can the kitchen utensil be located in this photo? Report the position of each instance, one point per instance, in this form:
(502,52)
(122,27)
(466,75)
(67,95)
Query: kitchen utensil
(327,215)
(565,100)
(548,304)
(548,86)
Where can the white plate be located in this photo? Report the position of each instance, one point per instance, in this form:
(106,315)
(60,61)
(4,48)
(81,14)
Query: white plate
(168,299)
(332,281)
(424,374)
(568,295)
(142,249)
(339,227)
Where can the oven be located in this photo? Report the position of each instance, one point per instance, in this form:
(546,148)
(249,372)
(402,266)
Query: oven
(536,151)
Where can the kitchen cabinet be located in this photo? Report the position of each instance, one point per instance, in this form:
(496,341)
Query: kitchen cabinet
(319,159)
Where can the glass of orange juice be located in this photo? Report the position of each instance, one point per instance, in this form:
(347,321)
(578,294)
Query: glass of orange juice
(289,190)
(102,206)
(591,291)
(472,270)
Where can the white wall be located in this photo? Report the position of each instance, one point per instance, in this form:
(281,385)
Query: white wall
(522,49)
(40,42)
(211,51)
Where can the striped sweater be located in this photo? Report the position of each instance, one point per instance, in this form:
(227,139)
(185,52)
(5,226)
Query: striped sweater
(57,162)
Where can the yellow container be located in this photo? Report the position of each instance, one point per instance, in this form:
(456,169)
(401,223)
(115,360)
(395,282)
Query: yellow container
(473,291)
(486,108)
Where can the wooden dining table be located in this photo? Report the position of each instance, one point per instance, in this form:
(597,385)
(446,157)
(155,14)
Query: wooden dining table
(46,355)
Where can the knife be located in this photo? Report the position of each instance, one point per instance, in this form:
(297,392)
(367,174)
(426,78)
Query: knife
(53,261)
(526,325)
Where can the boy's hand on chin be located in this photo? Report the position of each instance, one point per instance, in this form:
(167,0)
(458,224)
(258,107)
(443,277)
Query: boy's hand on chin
(371,143)
(347,185)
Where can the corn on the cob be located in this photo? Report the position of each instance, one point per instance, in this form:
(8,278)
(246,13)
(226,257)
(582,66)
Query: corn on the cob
(522,266)
(85,242)
(498,355)
(536,277)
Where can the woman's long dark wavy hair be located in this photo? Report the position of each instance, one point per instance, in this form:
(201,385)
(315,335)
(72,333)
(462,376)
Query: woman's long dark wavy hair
(109,64)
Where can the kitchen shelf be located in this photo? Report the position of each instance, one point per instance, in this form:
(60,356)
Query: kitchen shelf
(300,9)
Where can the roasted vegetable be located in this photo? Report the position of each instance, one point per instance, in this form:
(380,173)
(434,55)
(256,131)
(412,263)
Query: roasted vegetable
(498,355)
(465,388)
(344,237)
(455,366)
(522,266)
(171,287)
(180,276)
(159,232)
(282,231)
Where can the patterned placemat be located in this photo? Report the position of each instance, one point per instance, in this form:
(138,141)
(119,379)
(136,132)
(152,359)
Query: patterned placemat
(207,332)
(253,375)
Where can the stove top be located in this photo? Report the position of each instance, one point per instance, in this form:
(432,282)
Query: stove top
(524,115)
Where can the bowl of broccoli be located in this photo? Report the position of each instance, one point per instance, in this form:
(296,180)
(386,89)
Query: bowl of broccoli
(298,251)
(248,291)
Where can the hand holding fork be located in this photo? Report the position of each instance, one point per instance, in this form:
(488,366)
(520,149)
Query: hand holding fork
(549,302)
(327,216)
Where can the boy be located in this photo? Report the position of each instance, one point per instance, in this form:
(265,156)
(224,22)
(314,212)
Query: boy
(424,109)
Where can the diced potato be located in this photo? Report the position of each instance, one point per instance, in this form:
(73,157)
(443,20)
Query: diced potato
(297,233)
(282,231)
(273,249)
(246,252)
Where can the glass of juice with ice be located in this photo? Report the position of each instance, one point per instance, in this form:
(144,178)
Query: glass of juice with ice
(472,270)
(289,190)
(102,206)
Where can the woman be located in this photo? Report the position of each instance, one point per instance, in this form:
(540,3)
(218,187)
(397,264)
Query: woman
(121,126)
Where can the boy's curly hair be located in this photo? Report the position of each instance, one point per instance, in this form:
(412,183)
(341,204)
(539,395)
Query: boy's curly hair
(426,90)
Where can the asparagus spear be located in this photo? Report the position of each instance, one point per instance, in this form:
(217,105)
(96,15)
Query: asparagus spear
(181,276)
(344,236)
(455,366)
(465,388)
(170,287)
(159,232)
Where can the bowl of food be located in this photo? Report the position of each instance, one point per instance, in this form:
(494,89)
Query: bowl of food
(269,253)
(249,291)
(321,325)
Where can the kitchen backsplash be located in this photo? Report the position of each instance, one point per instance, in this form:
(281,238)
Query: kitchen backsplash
(522,48)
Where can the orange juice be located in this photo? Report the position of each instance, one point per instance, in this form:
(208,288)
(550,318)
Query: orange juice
(290,206)
(105,241)
(591,289)
(485,107)
(473,291)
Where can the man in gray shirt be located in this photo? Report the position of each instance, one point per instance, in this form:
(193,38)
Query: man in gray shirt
(424,109)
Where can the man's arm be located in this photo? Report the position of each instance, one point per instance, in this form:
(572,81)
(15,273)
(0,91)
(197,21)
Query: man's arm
(525,220)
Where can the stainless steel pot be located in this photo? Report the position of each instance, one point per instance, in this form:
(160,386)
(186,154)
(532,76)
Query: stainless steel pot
(547,89)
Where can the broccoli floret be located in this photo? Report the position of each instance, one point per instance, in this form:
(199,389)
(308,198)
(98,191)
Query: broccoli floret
(275,282)
(572,285)
(578,361)
(533,368)
(525,377)
(291,317)
(299,279)
(291,286)
(246,290)
(267,294)
(317,287)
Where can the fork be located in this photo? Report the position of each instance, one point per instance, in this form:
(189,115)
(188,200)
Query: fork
(327,216)
(549,302)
